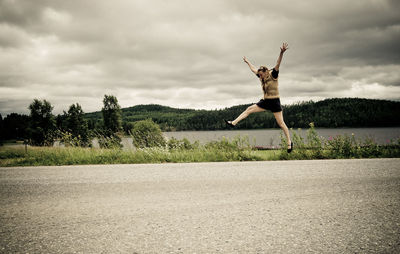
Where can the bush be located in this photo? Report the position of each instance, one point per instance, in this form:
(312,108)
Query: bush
(371,148)
(146,133)
(68,139)
(314,142)
(112,141)
(183,144)
(238,143)
(343,146)
(108,139)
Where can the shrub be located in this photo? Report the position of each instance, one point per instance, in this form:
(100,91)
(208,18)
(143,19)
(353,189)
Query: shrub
(314,142)
(237,143)
(68,139)
(343,146)
(183,144)
(107,139)
(146,133)
(371,148)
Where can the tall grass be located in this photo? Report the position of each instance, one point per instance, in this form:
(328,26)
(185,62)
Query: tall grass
(224,150)
(236,149)
(338,147)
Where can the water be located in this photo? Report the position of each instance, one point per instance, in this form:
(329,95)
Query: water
(271,137)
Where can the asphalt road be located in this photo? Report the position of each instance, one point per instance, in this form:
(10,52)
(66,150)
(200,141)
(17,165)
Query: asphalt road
(325,206)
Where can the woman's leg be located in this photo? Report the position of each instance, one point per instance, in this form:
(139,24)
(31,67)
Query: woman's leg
(281,123)
(251,109)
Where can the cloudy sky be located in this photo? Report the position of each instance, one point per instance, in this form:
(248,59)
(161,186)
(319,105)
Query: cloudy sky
(189,54)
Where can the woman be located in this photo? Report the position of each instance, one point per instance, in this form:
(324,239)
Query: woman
(271,101)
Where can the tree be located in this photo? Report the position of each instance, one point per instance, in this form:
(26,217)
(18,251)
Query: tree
(42,123)
(127,126)
(76,126)
(111,114)
(146,133)
(15,126)
(1,130)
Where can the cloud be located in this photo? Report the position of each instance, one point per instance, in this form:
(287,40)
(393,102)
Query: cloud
(189,54)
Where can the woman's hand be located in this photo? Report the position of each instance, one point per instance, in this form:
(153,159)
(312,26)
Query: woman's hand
(252,67)
(284,47)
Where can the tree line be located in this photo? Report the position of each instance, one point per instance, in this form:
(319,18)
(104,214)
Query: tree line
(328,113)
(74,127)
(42,128)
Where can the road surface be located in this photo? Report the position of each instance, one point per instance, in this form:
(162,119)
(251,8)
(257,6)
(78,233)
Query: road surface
(319,206)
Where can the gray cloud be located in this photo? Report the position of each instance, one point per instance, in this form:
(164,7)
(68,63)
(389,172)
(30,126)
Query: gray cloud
(189,54)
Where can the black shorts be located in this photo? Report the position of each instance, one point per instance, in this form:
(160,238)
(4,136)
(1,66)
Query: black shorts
(273,105)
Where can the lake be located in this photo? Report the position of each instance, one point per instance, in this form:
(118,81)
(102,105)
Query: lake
(271,137)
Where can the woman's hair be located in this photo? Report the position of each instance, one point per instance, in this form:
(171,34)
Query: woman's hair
(262,68)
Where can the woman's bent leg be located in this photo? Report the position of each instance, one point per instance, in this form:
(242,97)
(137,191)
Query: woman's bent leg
(251,109)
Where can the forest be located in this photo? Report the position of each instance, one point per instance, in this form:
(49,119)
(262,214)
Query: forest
(328,113)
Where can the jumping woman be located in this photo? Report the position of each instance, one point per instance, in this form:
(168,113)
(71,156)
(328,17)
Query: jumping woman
(271,101)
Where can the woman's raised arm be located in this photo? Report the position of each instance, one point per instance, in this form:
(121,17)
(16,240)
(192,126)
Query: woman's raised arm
(252,67)
(283,49)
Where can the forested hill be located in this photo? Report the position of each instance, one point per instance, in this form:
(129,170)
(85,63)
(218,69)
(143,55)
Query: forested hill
(336,112)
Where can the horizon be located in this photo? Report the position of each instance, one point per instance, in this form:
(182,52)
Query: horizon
(190,54)
(153,104)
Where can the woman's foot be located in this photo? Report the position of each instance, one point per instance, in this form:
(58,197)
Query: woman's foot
(229,123)
(290,147)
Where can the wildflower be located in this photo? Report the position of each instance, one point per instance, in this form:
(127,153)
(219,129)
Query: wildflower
(311,124)
(330,138)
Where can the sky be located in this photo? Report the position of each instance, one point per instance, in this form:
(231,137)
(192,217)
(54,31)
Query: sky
(189,54)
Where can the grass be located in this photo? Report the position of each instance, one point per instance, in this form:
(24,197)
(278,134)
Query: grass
(338,147)
(237,149)
(39,156)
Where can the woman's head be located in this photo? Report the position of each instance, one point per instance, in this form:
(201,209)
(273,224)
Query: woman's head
(262,72)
